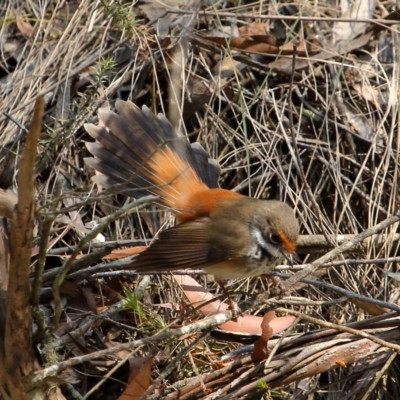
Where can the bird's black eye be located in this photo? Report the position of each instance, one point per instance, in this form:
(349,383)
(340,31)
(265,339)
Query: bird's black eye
(274,238)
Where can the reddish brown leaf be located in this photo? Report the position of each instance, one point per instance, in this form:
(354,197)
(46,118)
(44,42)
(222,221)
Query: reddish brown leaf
(253,39)
(257,28)
(197,294)
(139,380)
(24,27)
(284,64)
(261,351)
(370,308)
(121,253)
(250,45)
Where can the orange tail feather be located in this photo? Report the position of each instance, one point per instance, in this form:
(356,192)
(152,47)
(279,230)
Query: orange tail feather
(145,155)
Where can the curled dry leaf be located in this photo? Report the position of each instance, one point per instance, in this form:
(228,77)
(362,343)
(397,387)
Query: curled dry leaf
(122,253)
(249,324)
(253,38)
(284,64)
(261,351)
(257,44)
(24,27)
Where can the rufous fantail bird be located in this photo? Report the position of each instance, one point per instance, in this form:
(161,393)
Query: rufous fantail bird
(224,233)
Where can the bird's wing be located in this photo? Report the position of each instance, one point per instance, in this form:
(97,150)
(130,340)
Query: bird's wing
(184,246)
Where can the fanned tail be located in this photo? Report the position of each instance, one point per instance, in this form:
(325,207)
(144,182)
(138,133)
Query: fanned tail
(142,154)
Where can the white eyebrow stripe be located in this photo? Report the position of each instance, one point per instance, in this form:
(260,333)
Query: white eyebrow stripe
(275,251)
(260,238)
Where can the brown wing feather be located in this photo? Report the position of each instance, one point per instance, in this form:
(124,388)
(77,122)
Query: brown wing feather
(184,246)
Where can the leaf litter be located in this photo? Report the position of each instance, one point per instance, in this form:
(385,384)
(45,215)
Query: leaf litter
(249,76)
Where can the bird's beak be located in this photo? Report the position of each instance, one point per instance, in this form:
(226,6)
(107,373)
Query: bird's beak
(289,257)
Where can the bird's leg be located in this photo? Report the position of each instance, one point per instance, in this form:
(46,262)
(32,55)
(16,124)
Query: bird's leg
(236,311)
(276,287)
(275,280)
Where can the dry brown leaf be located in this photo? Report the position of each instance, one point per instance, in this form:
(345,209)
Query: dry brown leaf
(252,38)
(88,294)
(355,119)
(358,9)
(370,308)
(258,46)
(249,324)
(260,351)
(284,64)
(136,362)
(24,27)
(257,29)
(156,12)
(139,379)
(379,96)
(303,47)
(121,253)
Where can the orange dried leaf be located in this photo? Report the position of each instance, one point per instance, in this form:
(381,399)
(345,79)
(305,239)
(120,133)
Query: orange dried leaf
(250,45)
(370,308)
(121,253)
(139,381)
(341,363)
(261,351)
(197,294)
(24,27)
(257,28)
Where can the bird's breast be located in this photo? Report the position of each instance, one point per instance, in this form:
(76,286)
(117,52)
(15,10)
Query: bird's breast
(242,267)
